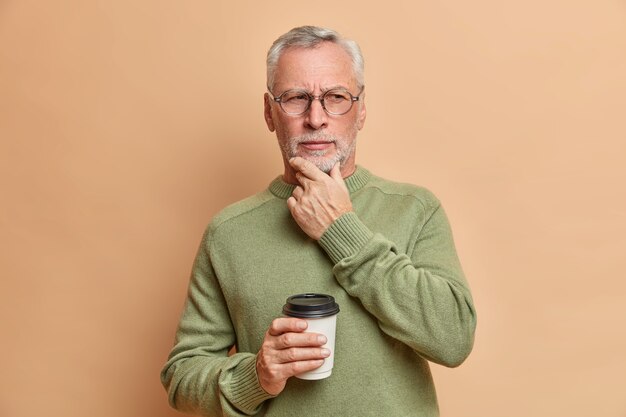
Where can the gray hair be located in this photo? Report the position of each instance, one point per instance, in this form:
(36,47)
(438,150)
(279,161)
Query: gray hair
(310,37)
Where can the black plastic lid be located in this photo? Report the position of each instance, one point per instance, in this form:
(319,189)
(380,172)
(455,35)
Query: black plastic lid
(310,306)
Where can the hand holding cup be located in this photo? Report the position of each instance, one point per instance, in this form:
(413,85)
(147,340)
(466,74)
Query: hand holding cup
(288,350)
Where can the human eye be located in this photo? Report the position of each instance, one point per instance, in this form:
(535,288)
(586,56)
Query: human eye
(295,97)
(336,96)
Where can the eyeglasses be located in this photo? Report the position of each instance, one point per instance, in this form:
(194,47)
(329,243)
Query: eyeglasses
(337,101)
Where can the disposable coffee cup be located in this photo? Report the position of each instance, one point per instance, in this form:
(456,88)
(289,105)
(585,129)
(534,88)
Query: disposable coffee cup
(320,311)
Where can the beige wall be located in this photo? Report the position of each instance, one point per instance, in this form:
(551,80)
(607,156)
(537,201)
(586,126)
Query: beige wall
(125,125)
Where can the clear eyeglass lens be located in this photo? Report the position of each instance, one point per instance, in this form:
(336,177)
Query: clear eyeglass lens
(334,101)
(337,101)
(294,102)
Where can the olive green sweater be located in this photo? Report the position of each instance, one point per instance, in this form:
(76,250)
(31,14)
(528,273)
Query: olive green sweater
(391,266)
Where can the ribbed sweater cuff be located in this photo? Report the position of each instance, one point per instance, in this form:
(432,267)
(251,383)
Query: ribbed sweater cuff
(345,237)
(246,392)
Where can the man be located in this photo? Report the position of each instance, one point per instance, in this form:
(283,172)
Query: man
(383,250)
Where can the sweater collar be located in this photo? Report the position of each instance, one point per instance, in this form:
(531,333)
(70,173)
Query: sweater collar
(354,182)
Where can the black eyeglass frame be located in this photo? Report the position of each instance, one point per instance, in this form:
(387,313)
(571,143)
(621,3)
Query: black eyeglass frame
(313,97)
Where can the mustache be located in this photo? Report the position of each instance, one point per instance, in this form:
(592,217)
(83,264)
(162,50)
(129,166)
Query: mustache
(313,137)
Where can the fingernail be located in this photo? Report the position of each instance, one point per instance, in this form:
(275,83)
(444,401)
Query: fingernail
(301,325)
(325,352)
(321,339)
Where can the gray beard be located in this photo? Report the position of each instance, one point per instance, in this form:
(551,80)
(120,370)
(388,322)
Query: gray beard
(325,164)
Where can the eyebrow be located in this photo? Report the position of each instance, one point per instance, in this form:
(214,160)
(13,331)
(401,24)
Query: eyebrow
(335,87)
(323,90)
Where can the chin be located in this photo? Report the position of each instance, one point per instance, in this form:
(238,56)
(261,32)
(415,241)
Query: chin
(324,164)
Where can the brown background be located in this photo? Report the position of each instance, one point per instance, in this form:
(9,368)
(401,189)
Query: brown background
(125,125)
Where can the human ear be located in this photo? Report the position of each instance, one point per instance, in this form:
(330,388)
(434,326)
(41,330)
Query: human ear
(360,121)
(269,120)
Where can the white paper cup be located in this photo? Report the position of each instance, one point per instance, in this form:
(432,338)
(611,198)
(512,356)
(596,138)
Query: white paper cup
(320,311)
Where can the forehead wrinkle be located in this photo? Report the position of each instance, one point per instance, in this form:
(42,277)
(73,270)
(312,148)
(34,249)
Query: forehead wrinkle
(315,70)
(323,90)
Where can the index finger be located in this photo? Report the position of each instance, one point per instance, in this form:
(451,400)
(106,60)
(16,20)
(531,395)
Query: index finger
(287,324)
(308,169)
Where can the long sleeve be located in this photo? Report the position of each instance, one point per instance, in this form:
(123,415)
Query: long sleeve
(420,298)
(199,376)
(391,266)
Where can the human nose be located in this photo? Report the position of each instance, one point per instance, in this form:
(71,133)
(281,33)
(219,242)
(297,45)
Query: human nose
(316,117)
